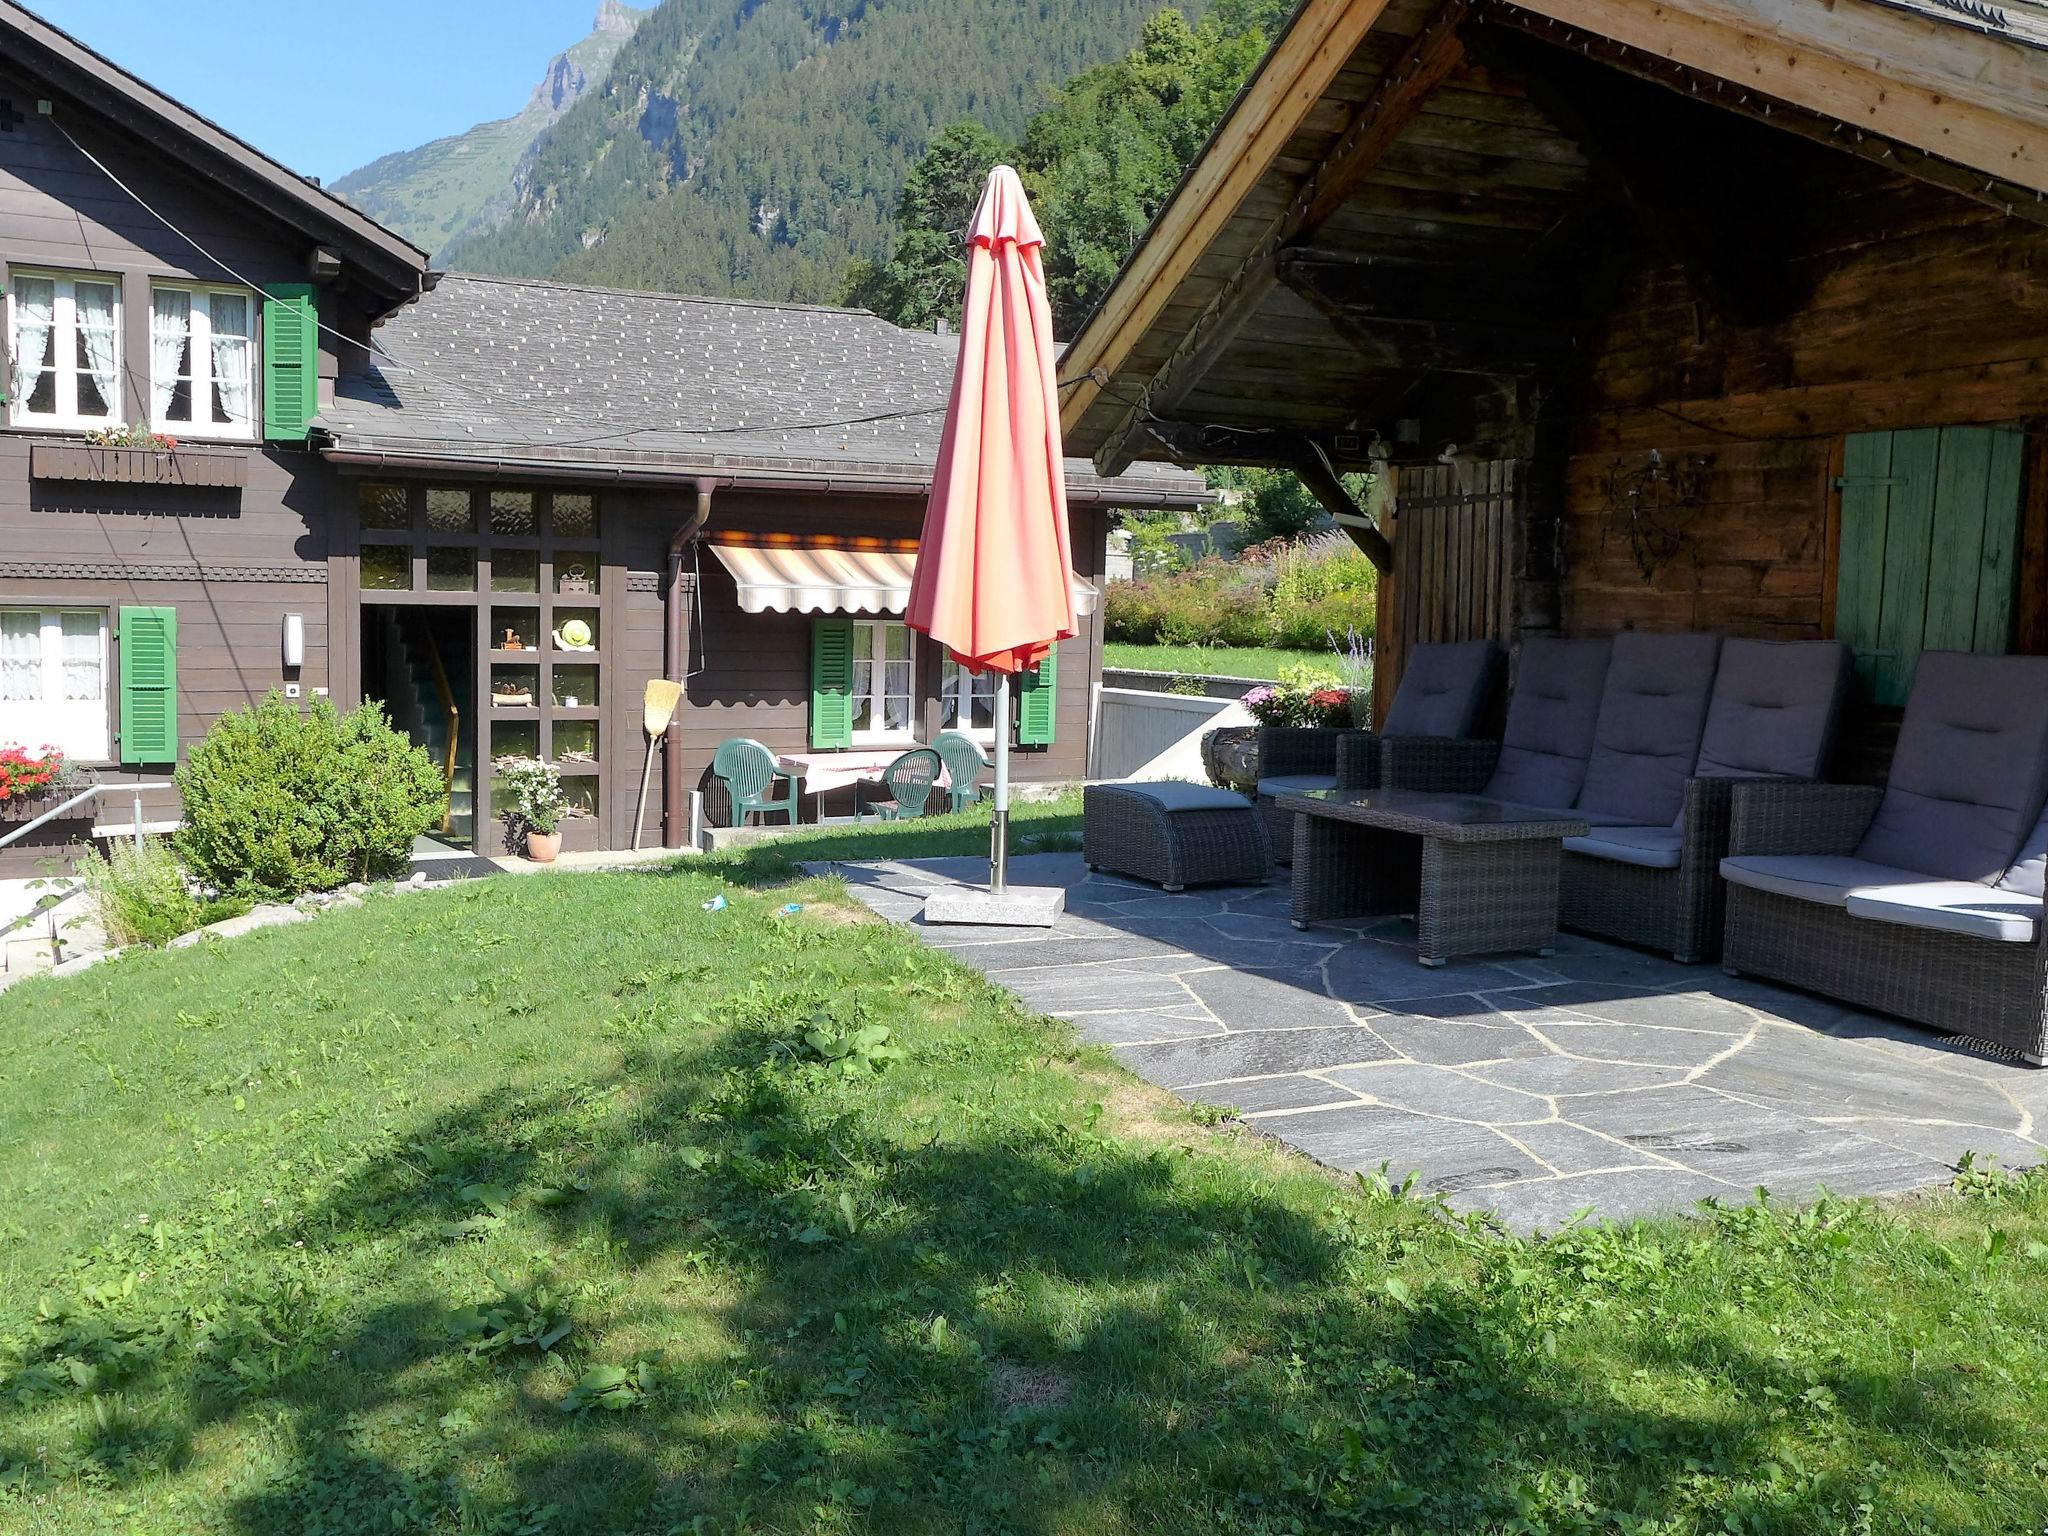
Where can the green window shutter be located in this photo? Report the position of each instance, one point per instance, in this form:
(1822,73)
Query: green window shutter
(1930,547)
(1038,694)
(291,361)
(831,682)
(149,685)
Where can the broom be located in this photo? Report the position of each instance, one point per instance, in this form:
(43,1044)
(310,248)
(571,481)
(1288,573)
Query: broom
(659,707)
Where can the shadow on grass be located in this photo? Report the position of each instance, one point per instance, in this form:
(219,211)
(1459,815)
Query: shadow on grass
(1020,1326)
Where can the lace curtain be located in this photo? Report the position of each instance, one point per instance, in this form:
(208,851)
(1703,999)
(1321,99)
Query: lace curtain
(229,315)
(84,658)
(95,307)
(21,656)
(170,329)
(35,311)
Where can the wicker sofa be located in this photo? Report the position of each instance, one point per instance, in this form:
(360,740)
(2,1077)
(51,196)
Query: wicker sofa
(1444,691)
(1923,899)
(1645,736)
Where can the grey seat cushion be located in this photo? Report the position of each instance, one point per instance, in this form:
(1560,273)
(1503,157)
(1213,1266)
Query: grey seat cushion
(1773,708)
(1967,775)
(1652,711)
(1443,688)
(1645,847)
(1295,784)
(2030,870)
(1551,715)
(1828,878)
(1952,906)
(1171,796)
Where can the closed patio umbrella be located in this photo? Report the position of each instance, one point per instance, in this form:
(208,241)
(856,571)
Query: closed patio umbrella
(994,565)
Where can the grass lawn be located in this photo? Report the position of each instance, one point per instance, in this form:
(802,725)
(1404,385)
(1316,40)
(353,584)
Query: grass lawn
(1212,660)
(559,1204)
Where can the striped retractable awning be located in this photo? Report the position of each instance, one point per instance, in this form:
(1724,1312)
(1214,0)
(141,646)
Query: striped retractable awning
(844,577)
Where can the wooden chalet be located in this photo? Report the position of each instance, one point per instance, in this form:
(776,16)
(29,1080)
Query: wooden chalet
(499,508)
(1724,315)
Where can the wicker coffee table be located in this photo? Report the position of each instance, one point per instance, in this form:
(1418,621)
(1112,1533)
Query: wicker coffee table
(1479,875)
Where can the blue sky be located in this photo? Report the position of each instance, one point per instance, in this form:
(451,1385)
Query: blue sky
(346,82)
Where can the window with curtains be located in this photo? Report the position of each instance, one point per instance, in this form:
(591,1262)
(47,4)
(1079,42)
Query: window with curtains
(53,680)
(967,700)
(884,691)
(63,348)
(202,352)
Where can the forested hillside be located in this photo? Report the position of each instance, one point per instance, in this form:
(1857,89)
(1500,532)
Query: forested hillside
(436,192)
(759,149)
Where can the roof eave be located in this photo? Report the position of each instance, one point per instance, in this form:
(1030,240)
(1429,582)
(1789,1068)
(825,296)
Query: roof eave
(368,452)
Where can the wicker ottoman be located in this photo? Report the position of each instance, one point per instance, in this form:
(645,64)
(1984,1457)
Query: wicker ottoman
(1175,835)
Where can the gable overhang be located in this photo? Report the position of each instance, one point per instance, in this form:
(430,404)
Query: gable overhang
(376,260)
(1267,243)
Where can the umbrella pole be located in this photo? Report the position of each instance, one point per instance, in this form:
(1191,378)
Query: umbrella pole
(999,823)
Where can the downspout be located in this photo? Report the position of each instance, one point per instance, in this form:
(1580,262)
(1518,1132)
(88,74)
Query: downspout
(675,815)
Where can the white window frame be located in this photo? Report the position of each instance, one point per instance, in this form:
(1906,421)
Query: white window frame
(64,328)
(958,684)
(877,672)
(199,341)
(82,729)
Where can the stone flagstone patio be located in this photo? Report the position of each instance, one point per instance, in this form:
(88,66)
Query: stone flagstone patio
(1599,1077)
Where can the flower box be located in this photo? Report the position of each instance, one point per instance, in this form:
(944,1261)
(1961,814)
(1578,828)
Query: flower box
(20,808)
(211,467)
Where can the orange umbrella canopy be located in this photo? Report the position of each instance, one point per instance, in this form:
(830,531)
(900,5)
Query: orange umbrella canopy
(995,566)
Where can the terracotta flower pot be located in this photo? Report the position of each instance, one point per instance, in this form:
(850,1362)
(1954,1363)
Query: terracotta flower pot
(542,847)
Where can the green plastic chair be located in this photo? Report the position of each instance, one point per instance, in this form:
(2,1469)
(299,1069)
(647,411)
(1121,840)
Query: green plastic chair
(965,762)
(754,779)
(909,782)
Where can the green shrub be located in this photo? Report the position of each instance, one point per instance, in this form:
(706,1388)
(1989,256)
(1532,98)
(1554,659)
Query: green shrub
(140,894)
(1297,601)
(279,802)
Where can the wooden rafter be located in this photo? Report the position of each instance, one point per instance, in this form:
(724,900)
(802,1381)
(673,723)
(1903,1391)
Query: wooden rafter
(2007,196)
(1431,55)
(1314,462)
(1315,473)
(1444,320)
(1791,53)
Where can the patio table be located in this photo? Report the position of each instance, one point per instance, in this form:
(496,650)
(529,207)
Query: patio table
(1479,875)
(823,772)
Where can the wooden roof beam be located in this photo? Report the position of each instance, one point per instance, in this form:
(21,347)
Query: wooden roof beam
(2008,197)
(1793,51)
(1430,57)
(1316,472)
(1439,320)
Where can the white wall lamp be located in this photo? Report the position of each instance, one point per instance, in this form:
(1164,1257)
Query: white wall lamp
(294,641)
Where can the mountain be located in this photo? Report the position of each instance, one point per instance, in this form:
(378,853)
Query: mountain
(756,148)
(434,193)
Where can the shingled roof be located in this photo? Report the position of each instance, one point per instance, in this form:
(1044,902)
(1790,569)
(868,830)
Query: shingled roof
(558,377)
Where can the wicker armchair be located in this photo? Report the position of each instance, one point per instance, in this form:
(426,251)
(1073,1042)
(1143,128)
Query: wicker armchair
(1770,714)
(1958,983)
(1922,899)
(1294,758)
(1444,690)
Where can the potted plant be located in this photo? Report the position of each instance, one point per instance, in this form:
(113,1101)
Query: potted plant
(535,788)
